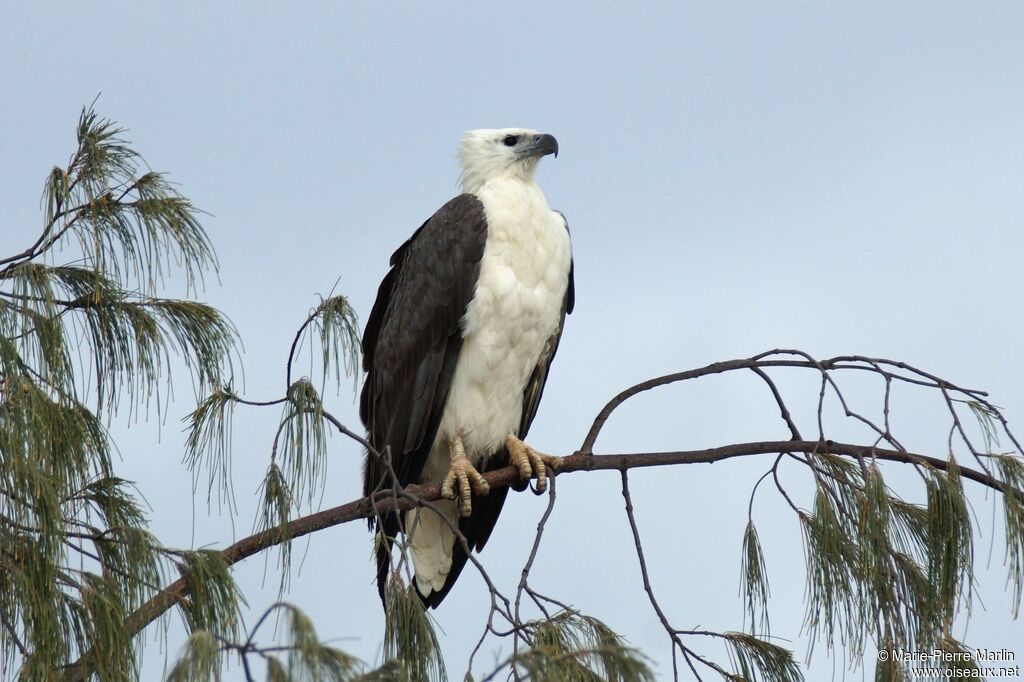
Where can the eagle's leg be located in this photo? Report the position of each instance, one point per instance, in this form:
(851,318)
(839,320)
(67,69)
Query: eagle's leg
(469,479)
(531,462)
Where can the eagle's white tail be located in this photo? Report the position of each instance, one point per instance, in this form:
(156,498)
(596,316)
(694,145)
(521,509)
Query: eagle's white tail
(432,542)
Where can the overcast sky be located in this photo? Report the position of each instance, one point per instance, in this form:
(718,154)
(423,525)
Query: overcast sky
(738,177)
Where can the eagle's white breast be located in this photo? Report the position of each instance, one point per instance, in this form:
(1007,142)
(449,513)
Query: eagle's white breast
(515,309)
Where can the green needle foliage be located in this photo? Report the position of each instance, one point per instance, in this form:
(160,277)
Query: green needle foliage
(302,447)
(214,600)
(754,588)
(576,648)
(308,659)
(756,660)
(82,334)
(1011,472)
(209,439)
(882,568)
(410,642)
(296,469)
(199,660)
(338,329)
(301,656)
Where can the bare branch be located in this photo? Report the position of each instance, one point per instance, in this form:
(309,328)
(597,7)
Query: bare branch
(415,495)
(907,374)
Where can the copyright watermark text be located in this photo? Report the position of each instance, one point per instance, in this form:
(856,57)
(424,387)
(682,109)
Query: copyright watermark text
(938,664)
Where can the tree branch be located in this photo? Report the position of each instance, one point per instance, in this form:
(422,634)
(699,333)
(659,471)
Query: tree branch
(861,363)
(415,495)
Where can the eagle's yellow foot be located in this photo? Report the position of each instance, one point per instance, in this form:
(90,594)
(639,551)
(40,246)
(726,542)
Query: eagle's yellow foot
(531,462)
(469,479)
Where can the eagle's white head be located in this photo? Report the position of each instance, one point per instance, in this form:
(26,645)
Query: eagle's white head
(488,153)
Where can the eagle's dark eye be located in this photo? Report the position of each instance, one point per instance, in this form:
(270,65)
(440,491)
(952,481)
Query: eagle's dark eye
(510,140)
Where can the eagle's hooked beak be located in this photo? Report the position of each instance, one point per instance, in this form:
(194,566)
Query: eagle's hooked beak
(541,145)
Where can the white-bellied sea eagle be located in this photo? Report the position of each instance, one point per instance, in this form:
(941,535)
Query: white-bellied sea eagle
(457,350)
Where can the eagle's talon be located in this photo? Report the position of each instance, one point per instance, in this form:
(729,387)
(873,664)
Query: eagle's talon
(470,483)
(531,462)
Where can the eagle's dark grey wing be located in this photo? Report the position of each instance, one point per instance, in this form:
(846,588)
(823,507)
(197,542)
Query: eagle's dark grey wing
(412,342)
(478,526)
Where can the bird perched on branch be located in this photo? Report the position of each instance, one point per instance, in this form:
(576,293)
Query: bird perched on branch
(457,350)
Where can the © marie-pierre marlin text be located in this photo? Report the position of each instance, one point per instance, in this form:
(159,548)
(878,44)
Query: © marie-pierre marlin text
(940,655)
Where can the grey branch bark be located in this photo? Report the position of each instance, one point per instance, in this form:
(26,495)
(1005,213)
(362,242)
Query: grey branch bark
(579,461)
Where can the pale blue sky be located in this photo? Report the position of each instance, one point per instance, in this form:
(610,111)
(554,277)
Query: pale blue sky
(738,177)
